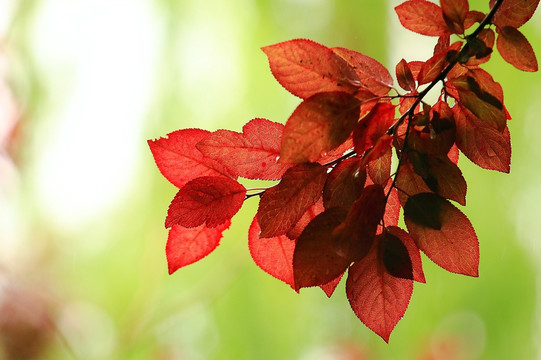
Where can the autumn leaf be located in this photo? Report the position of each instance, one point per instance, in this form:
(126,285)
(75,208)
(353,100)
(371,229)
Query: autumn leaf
(423,17)
(305,219)
(186,246)
(344,184)
(373,126)
(305,68)
(315,260)
(443,233)
(413,251)
(212,200)
(329,287)
(516,49)
(454,14)
(378,298)
(273,255)
(252,154)
(379,170)
(283,205)
(372,75)
(481,143)
(404,76)
(319,124)
(178,159)
(514,13)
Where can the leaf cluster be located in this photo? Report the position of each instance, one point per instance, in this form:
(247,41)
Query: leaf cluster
(335,207)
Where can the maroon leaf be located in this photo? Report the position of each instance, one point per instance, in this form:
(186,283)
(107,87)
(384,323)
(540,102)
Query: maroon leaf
(444,234)
(413,252)
(209,199)
(344,184)
(454,14)
(422,17)
(405,76)
(305,68)
(186,246)
(305,219)
(319,124)
(516,49)
(178,159)
(373,126)
(315,261)
(283,205)
(378,299)
(252,154)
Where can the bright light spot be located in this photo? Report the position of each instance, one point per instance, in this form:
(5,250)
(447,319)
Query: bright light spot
(97,57)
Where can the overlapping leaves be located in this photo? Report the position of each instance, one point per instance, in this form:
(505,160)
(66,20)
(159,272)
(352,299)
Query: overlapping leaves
(334,208)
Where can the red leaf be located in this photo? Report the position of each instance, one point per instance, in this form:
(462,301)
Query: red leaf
(372,75)
(305,68)
(454,14)
(408,182)
(378,299)
(373,126)
(487,37)
(379,170)
(514,13)
(473,17)
(252,154)
(433,67)
(273,255)
(212,200)
(442,44)
(353,238)
(453,244)
(319,124)
(422,17)
(344,184)
(392,210)
(516,49)
(482,144)
(315,260)
(413,251)
(308,215)
(186,246)
(451,183)
(404,76)
(283,205)
(329,287)
(178,159)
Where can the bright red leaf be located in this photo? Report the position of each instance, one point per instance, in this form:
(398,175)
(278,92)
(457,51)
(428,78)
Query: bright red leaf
(283,205)
(273,255)
(423,17)
(373,126)
(212,200)
(378,298)
(186,246)
(329,287)
(178,159)
(319,124)
(253,154)
(305,219)
(306,68)
(379,170)
(444,234)
(516,49)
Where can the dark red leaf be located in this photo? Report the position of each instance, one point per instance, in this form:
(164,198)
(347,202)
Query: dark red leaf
(329,287)
(305,68)
(433,67)
(355,236)
(186,246)
(424,209)
(305,219)
(423,17)
(404,76)
(409,183)
(514,13)
(395,256)
(473,17)
(413,251)
(378,299)
(178,159)
(451,183)
(372,75)
(252,154)
(454,14)
(283,205)
(315,260)
(454,246)
(273,255)
(212,200)
(481,143)
(319,124)
(344,184)
(487,37)
(516,49)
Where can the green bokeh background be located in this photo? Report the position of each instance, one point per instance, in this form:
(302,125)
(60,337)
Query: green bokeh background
(225,307)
